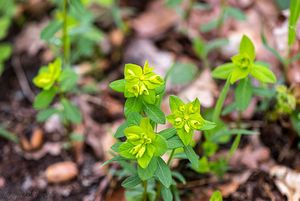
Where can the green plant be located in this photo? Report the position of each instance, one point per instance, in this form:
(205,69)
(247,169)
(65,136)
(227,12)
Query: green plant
(83,35)
(227,11)
(289,57)
(148,176)
(243,64)
(7,10)
(58,81)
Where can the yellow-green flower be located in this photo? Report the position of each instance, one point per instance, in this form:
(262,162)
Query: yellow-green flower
(286,101)
(243,64)
(186,118)
(141,82)
(142,143)
(47,76)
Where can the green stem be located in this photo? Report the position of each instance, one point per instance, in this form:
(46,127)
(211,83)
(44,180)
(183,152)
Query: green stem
(237,139)
(145,197)
(65,36)
(220,101)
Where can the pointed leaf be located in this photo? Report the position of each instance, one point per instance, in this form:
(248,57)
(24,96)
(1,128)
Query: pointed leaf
(154,113)
(163,173)
(263,74)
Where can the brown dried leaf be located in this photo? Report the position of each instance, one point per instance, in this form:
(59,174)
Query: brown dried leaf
(155,21)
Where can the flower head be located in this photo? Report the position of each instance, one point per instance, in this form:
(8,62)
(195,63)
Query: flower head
(244,64)
(141,82)
(47,76)
(186,118)
(286,101)
(142,143)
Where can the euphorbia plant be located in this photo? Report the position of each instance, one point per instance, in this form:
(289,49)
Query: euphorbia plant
(58,81)
(140,147)
(241,67)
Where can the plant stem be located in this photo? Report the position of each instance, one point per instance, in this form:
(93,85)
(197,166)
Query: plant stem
(65,36)
(145,184)
(237,139)
(220,101)
(171,156)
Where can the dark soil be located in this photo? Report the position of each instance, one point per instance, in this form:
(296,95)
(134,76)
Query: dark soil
(259,187)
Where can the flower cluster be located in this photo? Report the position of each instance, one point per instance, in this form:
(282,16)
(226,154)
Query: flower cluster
(142,143)
(244,64)
(286,101)
(141,82)
(47,76)
(186,118)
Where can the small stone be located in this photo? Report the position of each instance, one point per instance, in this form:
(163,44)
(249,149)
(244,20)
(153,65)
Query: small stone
(61,172)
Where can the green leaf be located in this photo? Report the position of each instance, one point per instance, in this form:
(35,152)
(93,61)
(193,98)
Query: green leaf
(71,112)
(163,173)
(168,133)
(263,74)
(166,194)
(238,74)
(182,73)
(199,47)
(160,145)
(243,94)
(209,148)
(44,98)
(272,50)
(175,102)
(216,196)
(247,47)
(120,131)
(8,135)
(293,19)
(68,80)
(131,182)
(203,165)
(215,44)
(134,118)
(174,142)
(179,177)
(208,125)
(114,159)
(45,114)
(296,122)
(209,26)
(124,150)
(192,156)
(154,113)
(223,71)
(4,25)
(148,172)
(50,30)
(118,85)
(225,132)
(235,13)
(133,105)
(5,49)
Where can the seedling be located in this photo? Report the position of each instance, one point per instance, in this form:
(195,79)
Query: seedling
(149,176)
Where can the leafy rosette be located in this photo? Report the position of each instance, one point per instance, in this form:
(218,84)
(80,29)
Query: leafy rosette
(142,143)
(244,64)
(186,118)
(139,82)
